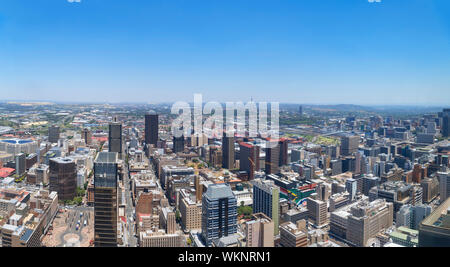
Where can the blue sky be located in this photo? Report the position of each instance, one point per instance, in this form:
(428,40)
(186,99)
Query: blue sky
(297,51)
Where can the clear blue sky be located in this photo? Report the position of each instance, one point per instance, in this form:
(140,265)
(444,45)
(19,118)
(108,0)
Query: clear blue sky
(298,51)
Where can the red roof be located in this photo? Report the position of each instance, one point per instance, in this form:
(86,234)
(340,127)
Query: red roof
(5,172)
(247,145)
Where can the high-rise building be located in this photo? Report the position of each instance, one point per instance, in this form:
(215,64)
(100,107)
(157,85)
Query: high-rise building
(411,216)
(317,211)
(167,220)
(115,137)
(434,231)
(300,110)
(53,134)
(151,129)
(266,199)
(145,203)
(191,212)
(219,213)
(349,145)
(178,144)
(283,158)
(105,199)
(259,231)
(446,123)
(249,159)
(20,163)
(228,152)
(272,158)
(86,135)
(63,177)
(444,185)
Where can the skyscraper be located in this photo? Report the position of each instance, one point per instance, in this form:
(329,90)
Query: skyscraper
(53,134)
(151,129)
(105,199)
(178,144)
(283,160)
(444,185)
(228,152)
(115,137)
(446,123)
(63,177)
(20,163)
(349,145)
(266,199)
(249,159)
(272,158)
(86,135)
(219,213)
(300,110)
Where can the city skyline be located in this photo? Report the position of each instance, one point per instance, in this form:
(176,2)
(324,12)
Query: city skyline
(327,52)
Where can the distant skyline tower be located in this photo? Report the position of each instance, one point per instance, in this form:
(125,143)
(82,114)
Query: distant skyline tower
(272,158)
(228,152)
(446,123)
(249,159)
(105,199)
(151,129)
(115,137)
(86,135)
(53,134)
(178,144)
(300,110)
(283,159)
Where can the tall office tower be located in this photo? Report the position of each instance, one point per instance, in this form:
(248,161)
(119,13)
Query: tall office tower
(151,129)
(317,211)
(167,220)
(53,134)
(178,144)
(430,188)
(63,177)
(351,186)
(228,152)
(219,213)
(300,110)
(446,123)
(259,231)
(266,199)
(105,199)
(249,159)
(434,231)
(444,185)
(272,159)
(367,219)
(349,145)
(86,135)
(323,192)
(20,163)
(283,158)
(115,137)
(198,189)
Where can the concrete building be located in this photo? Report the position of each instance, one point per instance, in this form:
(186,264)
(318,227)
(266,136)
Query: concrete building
(259,231)
(294,235)
(317,211)
(151,129)
(53,134)
(266,199)
(444,185)
(191,212)
(367,219)
(228,152)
